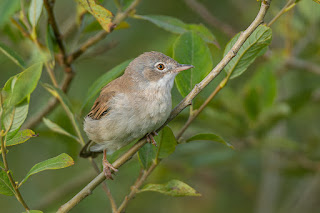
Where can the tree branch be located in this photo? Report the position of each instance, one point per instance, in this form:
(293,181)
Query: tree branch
(5,162)
(101,35)
(183,104)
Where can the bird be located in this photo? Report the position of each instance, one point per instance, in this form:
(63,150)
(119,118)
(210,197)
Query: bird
(132,106)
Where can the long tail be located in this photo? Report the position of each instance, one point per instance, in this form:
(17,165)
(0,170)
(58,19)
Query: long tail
(85,151)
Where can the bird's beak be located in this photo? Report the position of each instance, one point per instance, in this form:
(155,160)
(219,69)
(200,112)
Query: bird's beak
(183,67)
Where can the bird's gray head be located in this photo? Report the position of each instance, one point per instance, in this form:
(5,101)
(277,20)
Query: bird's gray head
(155,66)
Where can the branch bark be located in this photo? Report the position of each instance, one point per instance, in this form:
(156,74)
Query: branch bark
(183,104)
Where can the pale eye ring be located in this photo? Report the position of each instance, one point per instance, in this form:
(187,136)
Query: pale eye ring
(160,66)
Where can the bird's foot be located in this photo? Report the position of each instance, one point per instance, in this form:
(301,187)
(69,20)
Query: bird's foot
(107,167)
(150,138)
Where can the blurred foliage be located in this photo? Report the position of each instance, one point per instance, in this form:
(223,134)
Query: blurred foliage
(269,113)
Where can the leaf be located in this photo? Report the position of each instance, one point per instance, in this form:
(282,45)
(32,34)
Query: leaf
(12,55)
(204,33)
(35,10)
(166,142)
(167,23)
(249,51)
(174,188)
(261,90)
(7,9)
(100,13)
(147,155)
(209,137)
(21,137)
(103,80)
(56,128)
(25,84)
(317,1)
(19,116)
(61,161)
(189,48)
(252,104)
(177,26)
(5,185)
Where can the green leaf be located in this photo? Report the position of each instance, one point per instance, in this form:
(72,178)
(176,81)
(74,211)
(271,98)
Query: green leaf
(12,55)
(7,9)
(261,90)
(5,185)
(174,188)
(35,10)
(103,15)
(56,128)
(249,51)
(102,81)
(204,33)
(252,104)
(209,137)
(147,155)
(61,161)
(25,84)
(167,23)
(177,26)
(190,48)
(21,137)
(166,142)
(19,116)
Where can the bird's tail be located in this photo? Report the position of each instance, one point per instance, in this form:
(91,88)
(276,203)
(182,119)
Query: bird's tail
(85,151)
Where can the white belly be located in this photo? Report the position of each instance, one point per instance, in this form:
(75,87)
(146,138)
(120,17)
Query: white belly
(129,119)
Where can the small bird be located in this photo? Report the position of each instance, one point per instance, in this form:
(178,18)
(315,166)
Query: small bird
(131,106)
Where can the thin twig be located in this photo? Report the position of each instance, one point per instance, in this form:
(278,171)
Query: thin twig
(6,167)
(204,13)
(290,4)
(183,104)
(101,35)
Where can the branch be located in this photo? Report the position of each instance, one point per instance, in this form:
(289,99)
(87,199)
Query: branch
(204,13)
(67,60)
(290,4)
(183,104)
(101,35)
(5,162)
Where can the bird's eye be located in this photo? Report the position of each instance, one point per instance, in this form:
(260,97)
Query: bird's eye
(160,66)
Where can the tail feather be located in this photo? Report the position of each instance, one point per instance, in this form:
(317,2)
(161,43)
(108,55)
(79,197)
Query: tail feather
(85,151)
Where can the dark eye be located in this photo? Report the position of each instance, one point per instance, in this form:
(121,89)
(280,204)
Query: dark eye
(160,66)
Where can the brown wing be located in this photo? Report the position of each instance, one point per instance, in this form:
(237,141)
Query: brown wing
(101,106)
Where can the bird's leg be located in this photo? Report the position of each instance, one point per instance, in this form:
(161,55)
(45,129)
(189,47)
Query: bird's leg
(107,167)
(150,138)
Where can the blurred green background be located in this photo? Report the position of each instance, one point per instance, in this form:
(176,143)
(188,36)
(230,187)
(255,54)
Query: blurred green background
(270,114)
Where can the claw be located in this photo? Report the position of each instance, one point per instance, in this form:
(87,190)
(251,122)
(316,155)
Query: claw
(107,167)
(150,138)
